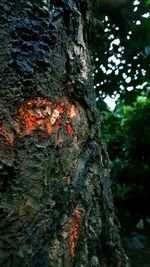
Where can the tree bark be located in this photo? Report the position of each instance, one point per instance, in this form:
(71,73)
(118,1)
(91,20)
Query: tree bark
(56,202)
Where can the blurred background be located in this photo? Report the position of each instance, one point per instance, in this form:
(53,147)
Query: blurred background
(121,57)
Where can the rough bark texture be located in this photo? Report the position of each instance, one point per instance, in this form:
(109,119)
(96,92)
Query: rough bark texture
(56,203)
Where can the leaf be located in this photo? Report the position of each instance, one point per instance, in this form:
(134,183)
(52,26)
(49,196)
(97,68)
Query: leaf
(147,50)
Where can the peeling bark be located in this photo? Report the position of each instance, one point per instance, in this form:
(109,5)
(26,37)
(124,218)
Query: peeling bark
(56,202)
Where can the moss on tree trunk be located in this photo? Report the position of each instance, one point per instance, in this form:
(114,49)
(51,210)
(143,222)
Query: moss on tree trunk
(56,203)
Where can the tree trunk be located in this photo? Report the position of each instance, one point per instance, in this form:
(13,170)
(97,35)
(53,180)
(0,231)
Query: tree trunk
(56,203)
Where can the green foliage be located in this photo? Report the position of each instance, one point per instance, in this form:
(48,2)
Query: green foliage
(121,191)
(136,123)
(148,2)
(122,62)
(127,134)
(122,68)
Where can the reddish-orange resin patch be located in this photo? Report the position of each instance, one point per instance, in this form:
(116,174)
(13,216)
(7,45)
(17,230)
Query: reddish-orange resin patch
(73,228)
(8,136)
(69,129)
(72,112)
(75,223)
(42,114)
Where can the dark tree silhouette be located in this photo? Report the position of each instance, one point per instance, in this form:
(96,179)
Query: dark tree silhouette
(56,202)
